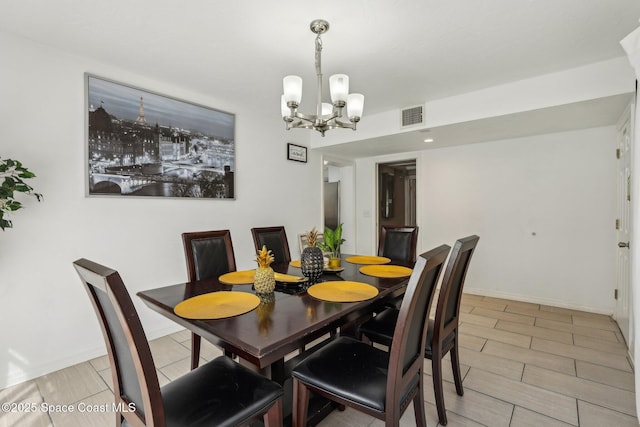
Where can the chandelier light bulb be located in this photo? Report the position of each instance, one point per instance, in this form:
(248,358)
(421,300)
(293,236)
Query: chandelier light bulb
(339,88)
(355,105)
(292,89)
(284,108)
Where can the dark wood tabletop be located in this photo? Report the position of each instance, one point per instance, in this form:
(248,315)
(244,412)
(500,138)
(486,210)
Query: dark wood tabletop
(265,335)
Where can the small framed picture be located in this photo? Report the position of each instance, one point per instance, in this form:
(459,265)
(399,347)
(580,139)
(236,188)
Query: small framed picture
(297,153)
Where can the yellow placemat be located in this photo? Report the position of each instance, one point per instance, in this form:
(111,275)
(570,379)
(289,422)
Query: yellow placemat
(386,271)
(217,305)
(295,263)
(244,277)
(342,291)
(369,260)
(288,278)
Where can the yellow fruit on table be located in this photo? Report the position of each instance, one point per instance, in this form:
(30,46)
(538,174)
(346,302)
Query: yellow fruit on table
(264,281)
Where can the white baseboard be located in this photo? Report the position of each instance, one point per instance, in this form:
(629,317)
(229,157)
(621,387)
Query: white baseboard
(34,371)
(534,300)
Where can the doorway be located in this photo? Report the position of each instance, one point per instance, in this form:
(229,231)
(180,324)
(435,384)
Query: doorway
(397,193)
(623,227)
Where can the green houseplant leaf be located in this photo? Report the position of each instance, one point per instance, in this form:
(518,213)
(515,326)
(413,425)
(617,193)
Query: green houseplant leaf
(332,241)
(13,174)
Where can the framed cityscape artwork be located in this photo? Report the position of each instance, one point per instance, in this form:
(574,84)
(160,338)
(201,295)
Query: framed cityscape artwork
(140,143)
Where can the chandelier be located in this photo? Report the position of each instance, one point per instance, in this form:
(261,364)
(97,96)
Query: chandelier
(327,115)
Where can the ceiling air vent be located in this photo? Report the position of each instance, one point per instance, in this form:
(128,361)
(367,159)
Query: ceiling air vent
(412,116)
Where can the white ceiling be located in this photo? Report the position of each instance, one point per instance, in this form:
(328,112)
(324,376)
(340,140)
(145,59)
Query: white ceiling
(398,53)
(593,113)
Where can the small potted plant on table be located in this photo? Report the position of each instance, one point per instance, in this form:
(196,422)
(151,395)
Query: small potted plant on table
(332,241)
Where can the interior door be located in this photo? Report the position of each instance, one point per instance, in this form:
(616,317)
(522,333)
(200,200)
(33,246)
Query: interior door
(397,193)
(623,226)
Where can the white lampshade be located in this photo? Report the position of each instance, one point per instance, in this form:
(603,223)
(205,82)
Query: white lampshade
(326,108)
(339,87)
(355,105)
(292,89)
(284,108)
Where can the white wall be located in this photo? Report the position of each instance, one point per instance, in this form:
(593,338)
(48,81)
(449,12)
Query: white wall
(544,208)
(47,321)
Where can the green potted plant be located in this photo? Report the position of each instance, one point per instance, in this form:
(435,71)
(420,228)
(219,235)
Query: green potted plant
(13,174)
(332,241)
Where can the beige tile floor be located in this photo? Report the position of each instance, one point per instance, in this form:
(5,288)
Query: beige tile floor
(523,365)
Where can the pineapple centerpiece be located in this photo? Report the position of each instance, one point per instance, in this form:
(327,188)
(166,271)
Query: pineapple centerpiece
(312,259)
(264,281)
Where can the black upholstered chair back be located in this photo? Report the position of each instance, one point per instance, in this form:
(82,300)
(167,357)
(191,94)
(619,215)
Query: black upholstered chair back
(208,254)
(398,243)
(448,307)
(132,369)
(409,338)
(275,239)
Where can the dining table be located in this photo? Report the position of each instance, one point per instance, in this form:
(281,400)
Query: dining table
(284,322)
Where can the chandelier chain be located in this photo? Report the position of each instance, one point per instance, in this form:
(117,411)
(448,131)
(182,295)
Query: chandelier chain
(318,55)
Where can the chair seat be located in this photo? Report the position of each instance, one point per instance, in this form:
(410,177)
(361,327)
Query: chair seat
(219,393)
(380,329)
(348,368)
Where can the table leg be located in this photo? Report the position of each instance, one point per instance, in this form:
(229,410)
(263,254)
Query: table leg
(319,407)
(275,371)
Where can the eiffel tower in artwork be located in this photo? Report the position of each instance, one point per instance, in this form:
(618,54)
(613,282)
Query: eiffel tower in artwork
(141,120)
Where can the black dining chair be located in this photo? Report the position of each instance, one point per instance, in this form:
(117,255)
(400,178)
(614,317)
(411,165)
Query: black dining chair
(275,239)
(208,254)
(398,243)
(379,383)
(219,393)
(442,336)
